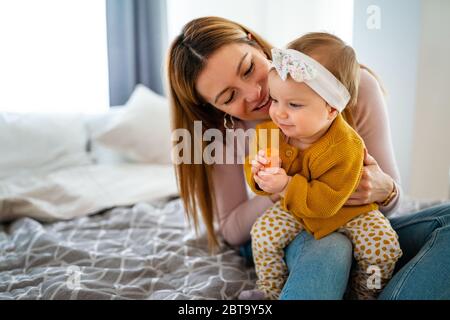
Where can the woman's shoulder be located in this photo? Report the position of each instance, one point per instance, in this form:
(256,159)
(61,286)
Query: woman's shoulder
(371,104)
(368,84)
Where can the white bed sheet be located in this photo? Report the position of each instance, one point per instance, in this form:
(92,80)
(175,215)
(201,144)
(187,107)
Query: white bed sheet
(83,190)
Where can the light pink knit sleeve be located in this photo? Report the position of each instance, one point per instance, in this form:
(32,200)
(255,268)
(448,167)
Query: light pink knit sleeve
(372,124)
(236,212)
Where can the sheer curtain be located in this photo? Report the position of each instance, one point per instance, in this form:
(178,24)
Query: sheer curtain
(137,42)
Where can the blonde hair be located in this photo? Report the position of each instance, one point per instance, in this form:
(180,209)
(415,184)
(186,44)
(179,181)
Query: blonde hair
(187,57)
(339,58)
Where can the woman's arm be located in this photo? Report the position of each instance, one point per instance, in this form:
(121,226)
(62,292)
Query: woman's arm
(236,213)
(372,124)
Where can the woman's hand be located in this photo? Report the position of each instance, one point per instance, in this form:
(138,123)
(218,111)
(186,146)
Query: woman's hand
(374,186)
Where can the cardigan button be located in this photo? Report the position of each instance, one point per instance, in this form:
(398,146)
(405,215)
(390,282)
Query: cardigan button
(288,153)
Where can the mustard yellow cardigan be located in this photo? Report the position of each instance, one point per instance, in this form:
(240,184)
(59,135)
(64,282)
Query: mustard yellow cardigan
(323,177)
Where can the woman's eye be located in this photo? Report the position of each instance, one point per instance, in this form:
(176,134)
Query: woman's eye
(229,100)
(249,70)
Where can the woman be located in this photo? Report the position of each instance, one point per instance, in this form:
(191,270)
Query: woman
(218,71)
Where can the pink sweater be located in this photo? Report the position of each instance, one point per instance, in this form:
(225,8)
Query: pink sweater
(237,211)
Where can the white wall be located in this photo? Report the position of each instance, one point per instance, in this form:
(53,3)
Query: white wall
(279,21)
(181,11)
(410,52)
(288,19)
(431,148)
(392,52)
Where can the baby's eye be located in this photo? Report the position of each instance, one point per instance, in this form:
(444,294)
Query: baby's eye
(293,105)
(270,97)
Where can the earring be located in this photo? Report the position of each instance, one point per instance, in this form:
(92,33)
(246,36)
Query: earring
(225,122)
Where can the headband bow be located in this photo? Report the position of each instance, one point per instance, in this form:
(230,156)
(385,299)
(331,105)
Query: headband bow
(286,63)
(303,68)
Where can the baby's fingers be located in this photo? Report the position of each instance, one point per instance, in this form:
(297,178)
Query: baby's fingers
(259,181)
(256,166)
(255,170)
(262,159)
(270,171)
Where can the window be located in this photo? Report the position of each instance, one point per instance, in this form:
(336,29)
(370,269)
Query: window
(54,56)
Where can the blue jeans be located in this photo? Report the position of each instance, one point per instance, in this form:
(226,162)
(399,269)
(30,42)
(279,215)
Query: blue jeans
(424,270)
(319,269)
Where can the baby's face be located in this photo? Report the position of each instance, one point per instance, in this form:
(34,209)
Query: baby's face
(297,109)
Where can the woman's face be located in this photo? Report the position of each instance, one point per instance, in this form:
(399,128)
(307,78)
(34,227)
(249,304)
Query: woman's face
(235,80)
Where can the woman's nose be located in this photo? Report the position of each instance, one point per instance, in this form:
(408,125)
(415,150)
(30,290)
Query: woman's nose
(253,93)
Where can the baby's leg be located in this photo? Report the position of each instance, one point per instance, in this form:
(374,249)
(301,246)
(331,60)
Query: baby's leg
(376,250)
(271,232)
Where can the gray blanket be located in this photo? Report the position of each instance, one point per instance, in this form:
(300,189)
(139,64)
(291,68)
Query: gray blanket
(140,252)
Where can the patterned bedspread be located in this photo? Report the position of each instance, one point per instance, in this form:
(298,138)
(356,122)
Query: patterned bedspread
(140,252)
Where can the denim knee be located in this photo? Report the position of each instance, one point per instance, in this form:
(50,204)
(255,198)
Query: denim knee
(335,249)
(318,269)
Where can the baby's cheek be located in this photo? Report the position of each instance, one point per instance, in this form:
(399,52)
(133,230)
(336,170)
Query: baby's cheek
(271,111)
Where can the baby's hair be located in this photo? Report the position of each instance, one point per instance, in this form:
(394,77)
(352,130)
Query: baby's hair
(335,55)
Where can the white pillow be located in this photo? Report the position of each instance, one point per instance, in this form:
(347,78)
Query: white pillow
(142,130)
(41,142)
(99,153)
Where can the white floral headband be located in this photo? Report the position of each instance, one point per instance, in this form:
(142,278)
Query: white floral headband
(303,68)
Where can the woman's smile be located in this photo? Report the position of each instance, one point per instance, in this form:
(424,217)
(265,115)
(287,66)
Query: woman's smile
(264,105)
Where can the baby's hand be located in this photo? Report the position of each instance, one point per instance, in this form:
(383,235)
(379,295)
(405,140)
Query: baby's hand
(272,180)
(265,159)
(260,162)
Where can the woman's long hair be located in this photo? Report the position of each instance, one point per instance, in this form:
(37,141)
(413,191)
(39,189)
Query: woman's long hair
(187,58)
